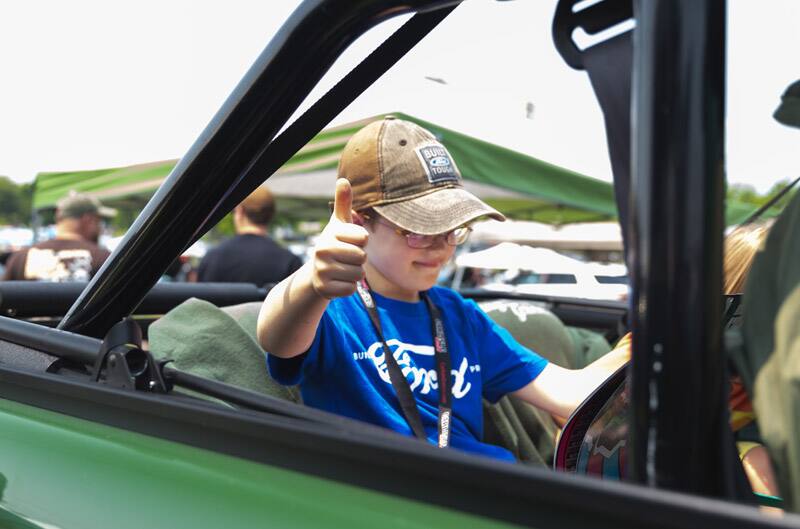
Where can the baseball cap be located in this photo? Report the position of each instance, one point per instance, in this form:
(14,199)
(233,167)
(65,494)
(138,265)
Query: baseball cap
(788,112)
(76,204)
(404,173)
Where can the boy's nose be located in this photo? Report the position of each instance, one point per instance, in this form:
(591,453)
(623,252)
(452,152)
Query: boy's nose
(439,241)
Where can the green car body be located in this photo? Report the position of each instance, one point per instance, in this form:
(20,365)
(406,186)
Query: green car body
(68,472)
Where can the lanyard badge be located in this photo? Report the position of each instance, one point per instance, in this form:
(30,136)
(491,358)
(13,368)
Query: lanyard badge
(399,382)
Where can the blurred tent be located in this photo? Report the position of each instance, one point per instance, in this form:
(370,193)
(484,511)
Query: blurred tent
(604,236)
(520,186)
(509,255)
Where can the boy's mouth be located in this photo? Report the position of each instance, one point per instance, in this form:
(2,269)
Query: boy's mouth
(427,264)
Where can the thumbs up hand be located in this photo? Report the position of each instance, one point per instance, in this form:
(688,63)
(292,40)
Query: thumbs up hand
(343,202)
(339,254)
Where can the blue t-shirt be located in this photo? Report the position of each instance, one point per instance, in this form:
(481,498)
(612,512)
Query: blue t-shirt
(345,372)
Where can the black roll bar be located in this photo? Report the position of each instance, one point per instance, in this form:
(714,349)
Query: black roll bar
(214,167)
(678,407)
(26,299)
(63,344)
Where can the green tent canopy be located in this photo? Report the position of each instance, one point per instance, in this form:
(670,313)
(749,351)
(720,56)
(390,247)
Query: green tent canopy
(518,185)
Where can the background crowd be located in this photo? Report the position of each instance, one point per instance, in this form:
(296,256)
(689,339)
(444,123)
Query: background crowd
(254,244)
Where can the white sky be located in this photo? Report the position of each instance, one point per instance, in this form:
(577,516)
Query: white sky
(94,84)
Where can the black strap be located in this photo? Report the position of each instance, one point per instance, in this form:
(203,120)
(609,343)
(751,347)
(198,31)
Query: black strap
(771,202)
(609,66)
(408,403)
(442,361)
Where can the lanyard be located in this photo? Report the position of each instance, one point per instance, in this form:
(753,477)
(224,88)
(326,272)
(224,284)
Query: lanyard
(399,382)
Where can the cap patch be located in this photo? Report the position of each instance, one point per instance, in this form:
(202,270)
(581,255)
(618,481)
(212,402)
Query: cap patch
(438,164)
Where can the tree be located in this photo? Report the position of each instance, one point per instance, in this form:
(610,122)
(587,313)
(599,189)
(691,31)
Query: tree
(25,203)
(747,194)
(10,201)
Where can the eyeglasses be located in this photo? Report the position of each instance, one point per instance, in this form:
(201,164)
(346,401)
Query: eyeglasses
(418,241)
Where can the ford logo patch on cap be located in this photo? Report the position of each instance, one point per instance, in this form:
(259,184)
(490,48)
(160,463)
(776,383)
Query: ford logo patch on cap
(437,163)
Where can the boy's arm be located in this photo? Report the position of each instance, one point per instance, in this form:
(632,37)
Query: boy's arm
(291,313)
(560,391)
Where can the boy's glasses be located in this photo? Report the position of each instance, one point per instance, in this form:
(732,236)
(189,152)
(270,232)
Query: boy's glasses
(418,241)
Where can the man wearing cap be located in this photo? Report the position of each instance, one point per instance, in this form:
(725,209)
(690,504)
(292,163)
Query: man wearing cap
(365,332)
(73,255)
(251,256)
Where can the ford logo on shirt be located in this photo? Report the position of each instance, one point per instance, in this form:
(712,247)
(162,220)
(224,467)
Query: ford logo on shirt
(439,161)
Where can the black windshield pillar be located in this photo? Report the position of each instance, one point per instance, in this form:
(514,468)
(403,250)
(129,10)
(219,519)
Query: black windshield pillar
(678,416)
(218,170)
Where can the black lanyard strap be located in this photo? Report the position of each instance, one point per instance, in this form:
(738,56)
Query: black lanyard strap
(442,360)
(399,382)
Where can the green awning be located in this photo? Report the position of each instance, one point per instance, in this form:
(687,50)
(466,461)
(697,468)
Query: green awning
(518,185)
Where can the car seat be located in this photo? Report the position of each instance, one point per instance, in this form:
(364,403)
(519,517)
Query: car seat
(528,432)
(219,344)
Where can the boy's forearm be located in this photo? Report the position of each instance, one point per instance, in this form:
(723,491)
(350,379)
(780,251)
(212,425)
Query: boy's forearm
(606,365)
(582,382)
(290,315)
(560,391)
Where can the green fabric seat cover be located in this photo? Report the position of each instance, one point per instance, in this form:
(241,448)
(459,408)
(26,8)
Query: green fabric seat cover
(219,344)
(528,432)
(534,327)
(588,346)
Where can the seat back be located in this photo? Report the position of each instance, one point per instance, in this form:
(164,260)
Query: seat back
(528,432)
(534,327)
(219,344)
(588,346)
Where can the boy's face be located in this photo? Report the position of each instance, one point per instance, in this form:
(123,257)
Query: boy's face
(404,271)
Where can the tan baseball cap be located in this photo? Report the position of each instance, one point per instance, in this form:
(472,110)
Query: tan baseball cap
(401,171)
(76,204)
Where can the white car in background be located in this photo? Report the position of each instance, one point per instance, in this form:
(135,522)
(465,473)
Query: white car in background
(527,270)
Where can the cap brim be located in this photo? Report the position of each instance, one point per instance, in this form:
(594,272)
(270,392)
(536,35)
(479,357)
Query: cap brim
(107,213)
(437,212)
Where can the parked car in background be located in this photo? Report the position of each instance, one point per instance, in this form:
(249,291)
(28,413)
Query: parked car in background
(523,269)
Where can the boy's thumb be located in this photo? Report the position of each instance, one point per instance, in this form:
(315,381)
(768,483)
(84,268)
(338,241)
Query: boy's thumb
(343,201)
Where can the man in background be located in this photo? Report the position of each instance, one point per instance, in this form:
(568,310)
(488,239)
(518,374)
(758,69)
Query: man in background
(73,255)
(251,256)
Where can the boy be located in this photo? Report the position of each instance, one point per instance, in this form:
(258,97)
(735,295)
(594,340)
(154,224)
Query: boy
(365,309)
